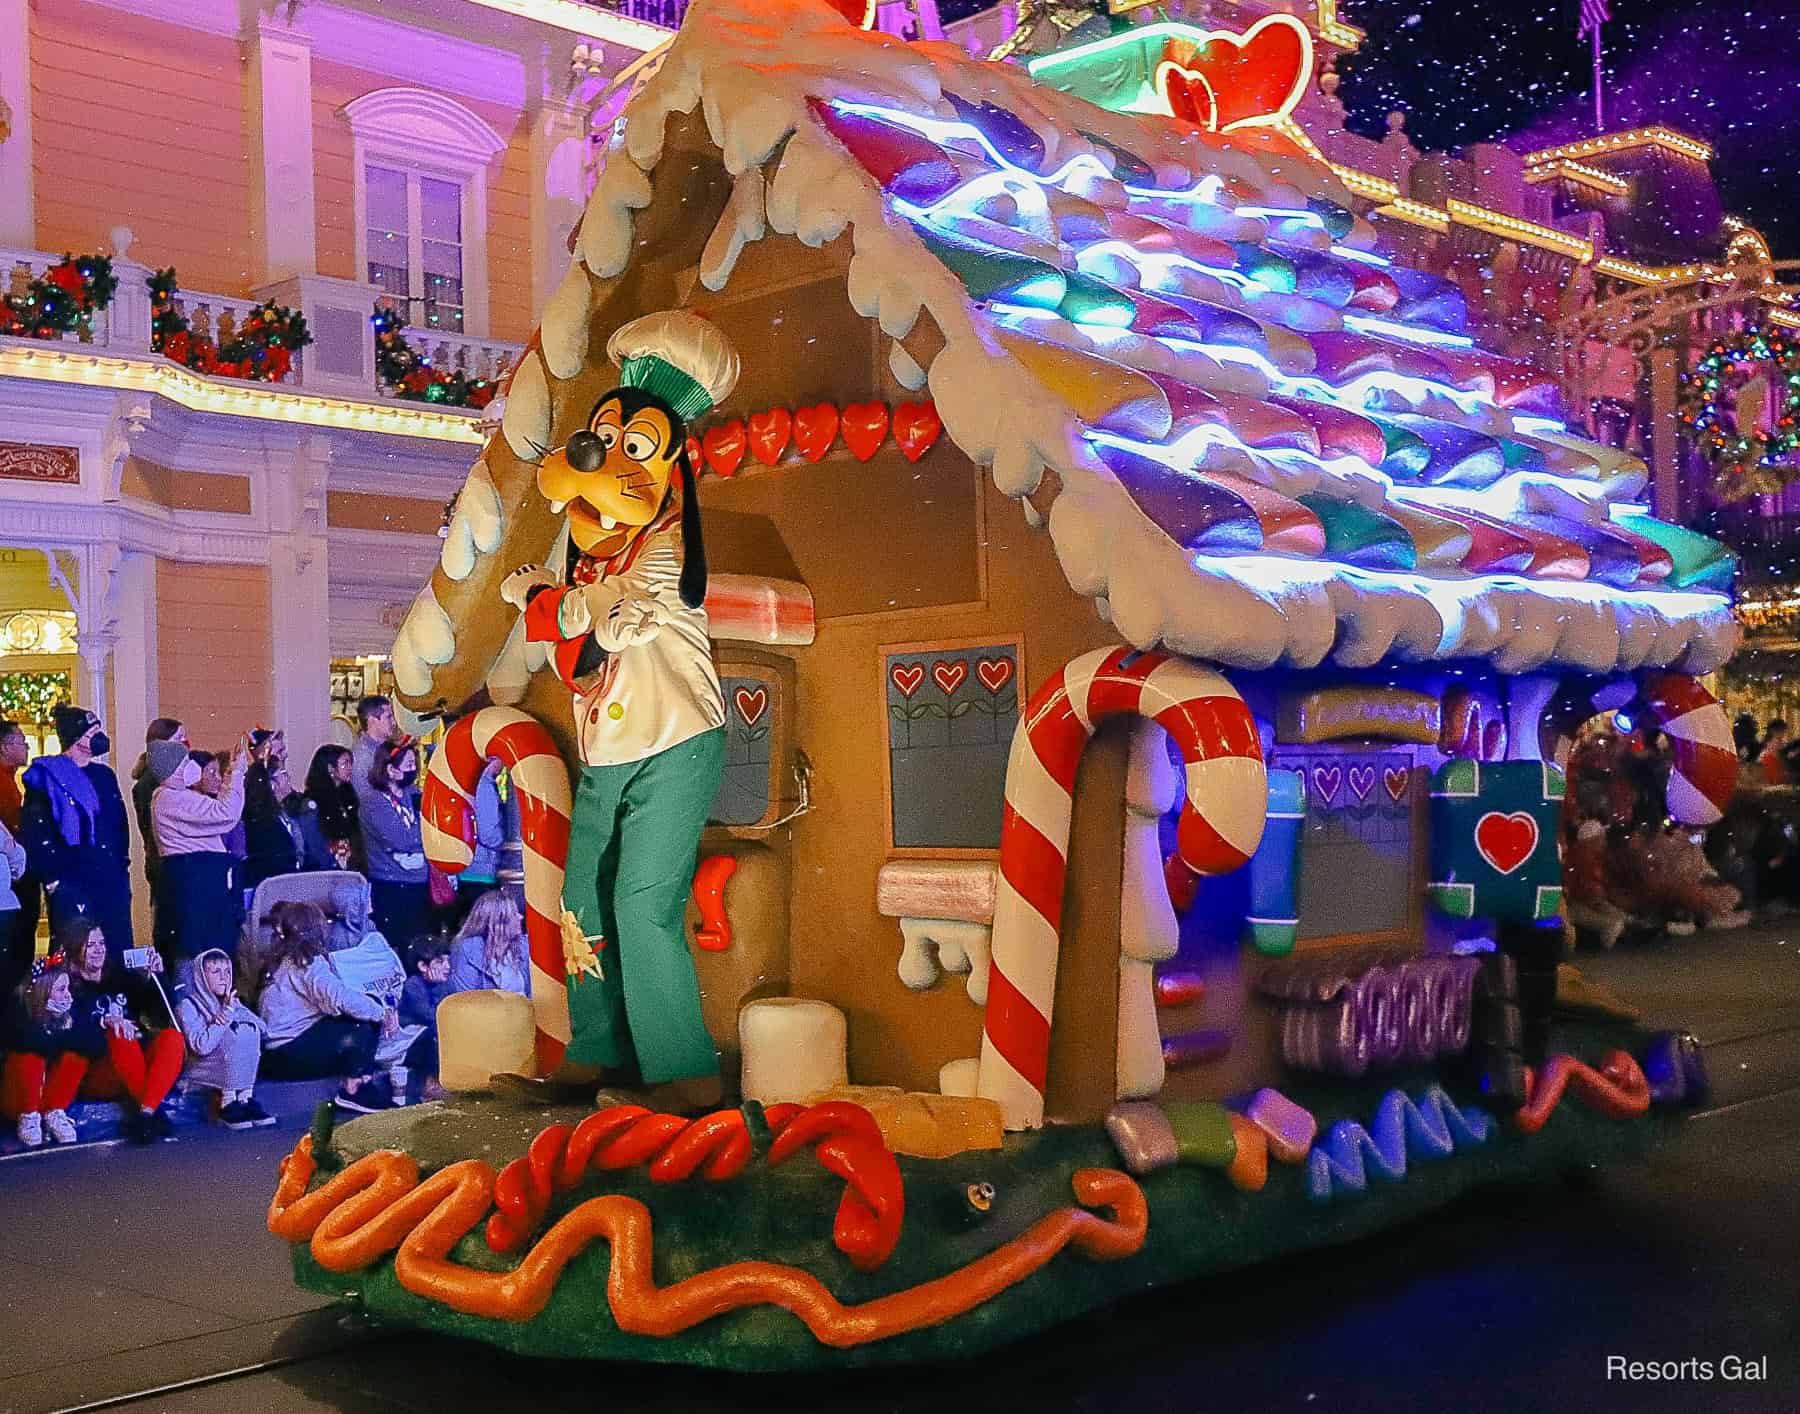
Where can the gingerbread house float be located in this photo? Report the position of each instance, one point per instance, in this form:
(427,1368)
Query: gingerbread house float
(1102,526)
(1025,379)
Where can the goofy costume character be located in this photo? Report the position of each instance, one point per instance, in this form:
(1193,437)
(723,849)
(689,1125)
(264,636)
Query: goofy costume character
(625,620)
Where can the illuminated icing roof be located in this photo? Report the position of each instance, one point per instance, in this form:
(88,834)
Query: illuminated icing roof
(1270,443)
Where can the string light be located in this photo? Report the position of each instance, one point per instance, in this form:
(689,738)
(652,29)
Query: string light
(1658,136)
(1580,173)
(190,390)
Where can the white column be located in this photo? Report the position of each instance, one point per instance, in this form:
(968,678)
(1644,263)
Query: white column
(18,205)
(280,112)
(135,699)
(299,601)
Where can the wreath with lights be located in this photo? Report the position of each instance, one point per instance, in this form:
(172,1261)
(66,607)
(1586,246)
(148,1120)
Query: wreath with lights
(411,374)
(261,349)
(1744,462)
(63,300)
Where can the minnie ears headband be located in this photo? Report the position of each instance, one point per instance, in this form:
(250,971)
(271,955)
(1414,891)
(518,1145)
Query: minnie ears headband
(41,965)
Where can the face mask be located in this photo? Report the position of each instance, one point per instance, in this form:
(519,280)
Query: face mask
(99,743)
(59,1004)
(408,777)
(187,775)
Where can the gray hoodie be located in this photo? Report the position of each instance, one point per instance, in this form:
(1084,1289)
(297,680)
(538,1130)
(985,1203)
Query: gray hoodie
(224,1041)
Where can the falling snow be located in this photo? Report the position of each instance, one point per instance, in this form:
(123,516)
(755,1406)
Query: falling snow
(1479,70)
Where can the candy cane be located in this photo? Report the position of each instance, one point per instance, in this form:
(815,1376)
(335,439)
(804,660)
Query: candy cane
(1221,822)
(526,749)
(1705,764)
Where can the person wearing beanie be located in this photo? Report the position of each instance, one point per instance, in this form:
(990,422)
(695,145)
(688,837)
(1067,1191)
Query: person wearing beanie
(144,784)
(76,832)
(625,624)
(198,906)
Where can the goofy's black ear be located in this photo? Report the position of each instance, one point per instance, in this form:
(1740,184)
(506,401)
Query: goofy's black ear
(693,547)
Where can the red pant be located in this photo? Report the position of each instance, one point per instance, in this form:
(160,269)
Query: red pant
(145,1072)
(33,1085)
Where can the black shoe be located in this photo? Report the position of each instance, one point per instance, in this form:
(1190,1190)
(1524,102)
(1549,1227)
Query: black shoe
(259,1117)
(368,1099)
(138,1128)
(162,1127)
(236,1116)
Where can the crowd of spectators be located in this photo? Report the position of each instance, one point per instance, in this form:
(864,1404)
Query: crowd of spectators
(225,992)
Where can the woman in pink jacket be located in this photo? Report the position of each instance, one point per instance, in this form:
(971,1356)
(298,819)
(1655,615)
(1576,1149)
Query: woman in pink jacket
(198,904)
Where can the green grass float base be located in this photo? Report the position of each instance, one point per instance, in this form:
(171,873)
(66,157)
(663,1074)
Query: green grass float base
(1199,1226)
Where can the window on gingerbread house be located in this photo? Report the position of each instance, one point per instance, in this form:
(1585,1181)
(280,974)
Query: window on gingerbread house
(1362,848)
(949,714)
(745,793)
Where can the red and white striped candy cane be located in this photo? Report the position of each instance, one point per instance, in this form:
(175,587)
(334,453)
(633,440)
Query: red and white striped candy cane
(528,752)
(1221,823)
(1704,761)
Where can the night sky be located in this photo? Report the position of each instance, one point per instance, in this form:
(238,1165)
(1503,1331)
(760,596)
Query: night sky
(1476,70)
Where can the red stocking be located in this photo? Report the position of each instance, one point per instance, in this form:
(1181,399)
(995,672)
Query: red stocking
(65,1080)
(24,1084)
(167,1051)
(128,1061)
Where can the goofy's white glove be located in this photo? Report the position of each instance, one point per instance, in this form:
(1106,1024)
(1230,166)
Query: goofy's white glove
(516,588)
(631,619)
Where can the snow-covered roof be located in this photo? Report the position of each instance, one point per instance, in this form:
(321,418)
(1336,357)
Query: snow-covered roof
(1270,443)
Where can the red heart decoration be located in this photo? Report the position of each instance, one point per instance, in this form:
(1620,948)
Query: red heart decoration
(1395,778)
(864,426)
(949,675)
(1188,95)
(1326,780)
(725,446)
(1506,841)
(693,451)
(1237,80)
(815,429)
(907,677)
(916,427)
(751,704)
(994,673)
(769,433)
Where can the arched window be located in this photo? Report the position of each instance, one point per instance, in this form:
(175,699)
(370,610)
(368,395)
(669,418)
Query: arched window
(421,204)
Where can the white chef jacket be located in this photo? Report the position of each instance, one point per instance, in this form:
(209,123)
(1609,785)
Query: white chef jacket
(651,695)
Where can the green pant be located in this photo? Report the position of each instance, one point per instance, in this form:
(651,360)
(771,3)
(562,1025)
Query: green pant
(632,846)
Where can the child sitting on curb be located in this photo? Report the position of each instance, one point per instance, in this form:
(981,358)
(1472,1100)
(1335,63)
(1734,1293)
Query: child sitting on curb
(43,1070)
(224,1041)
(427,984)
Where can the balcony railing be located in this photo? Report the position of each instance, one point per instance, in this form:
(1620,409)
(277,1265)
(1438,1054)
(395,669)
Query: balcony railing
(341,360)
(667,13)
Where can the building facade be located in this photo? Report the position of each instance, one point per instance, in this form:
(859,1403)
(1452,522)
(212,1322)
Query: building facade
(176,540)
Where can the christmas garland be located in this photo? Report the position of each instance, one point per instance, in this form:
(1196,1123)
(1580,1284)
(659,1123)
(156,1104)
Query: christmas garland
(32,697)
(1744,462)
(411,374)
(261,349)
(61,301)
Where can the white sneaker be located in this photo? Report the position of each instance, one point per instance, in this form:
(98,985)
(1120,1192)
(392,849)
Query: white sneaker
(31,1130)
(61,1127)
